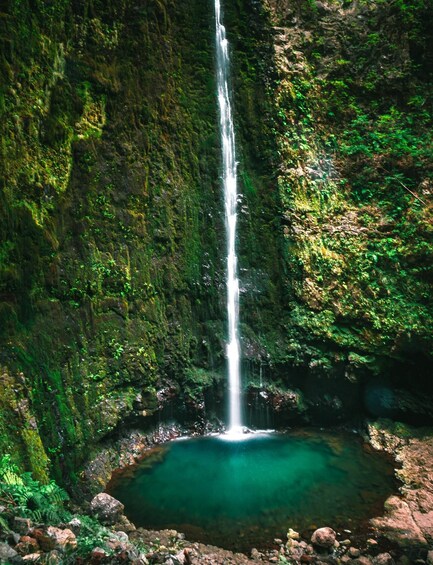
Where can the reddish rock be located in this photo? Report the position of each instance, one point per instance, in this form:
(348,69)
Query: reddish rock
(383,559)
(362,560)
(98,554)
(398,524)
(323,537)
(27,545)
(55,538)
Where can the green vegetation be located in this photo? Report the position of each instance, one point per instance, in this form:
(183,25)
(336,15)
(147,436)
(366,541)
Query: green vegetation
(27,497)
(354,128)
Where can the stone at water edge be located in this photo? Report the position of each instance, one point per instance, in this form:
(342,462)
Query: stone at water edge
(383,559)
(106,508)
(324,537)
(354,552)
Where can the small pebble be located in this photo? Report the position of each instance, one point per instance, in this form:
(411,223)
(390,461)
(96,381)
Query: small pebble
(354,552)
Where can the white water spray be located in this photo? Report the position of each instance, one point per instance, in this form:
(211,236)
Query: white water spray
(230,197)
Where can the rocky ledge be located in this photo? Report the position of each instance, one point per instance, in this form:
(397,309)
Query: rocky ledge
(408,519)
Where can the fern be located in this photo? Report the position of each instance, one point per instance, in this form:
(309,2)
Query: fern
(28,497)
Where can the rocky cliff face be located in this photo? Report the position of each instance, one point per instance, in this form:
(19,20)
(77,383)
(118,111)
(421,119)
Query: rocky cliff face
(354,130)
(112,237)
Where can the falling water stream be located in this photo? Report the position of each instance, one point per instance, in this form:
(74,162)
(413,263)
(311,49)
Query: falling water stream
(229,178)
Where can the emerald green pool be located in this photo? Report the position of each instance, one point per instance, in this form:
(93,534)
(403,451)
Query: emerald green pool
(243,494)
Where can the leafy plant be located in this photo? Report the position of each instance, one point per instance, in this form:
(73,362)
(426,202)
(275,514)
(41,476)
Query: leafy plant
(29,498)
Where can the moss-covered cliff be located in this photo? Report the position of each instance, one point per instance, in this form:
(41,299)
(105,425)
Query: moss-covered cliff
(354,131)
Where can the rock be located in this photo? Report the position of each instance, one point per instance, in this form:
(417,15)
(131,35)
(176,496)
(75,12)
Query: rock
(75,525)
(383,559)
(55,538)
(122,536)
(125,525)
(141,560)
(14,537)
(7,553)
(180,558)
(323,537)
(362,560)
(98,554)
(354,552)
(54,558)
(27,545)
(345,542)
(22,525)
(106,508)
(31,558)
(398,524)
(430,557)
(256,555)
(291,534)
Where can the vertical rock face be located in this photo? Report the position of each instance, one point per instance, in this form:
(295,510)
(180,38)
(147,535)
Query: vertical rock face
(353,126)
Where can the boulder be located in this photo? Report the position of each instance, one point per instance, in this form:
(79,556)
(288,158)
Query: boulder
(98,554)
(55,538)
(75,525)
(27,545)
(7,553)
(106,508)
(323,537)
(362,560)
(383,559)
(399,526)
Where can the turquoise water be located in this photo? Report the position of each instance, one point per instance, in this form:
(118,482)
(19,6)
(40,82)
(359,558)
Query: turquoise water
(243,494)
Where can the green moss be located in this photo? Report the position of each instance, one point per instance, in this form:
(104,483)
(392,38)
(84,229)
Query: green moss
(38,460)
(354,156)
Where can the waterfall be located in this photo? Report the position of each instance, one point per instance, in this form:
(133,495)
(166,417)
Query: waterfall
(230,197)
